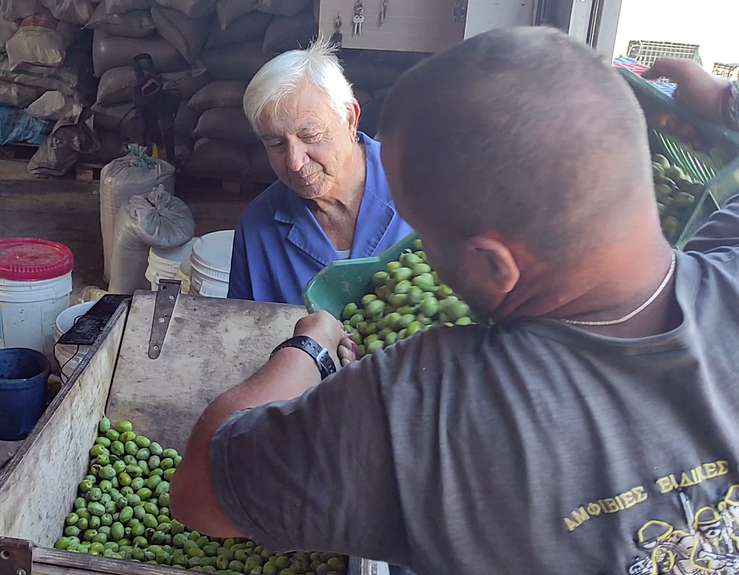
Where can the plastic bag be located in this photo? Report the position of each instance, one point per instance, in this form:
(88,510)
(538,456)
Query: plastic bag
(112,146)
(75,12)
(284,7)
(220,94)
(186,34)
(131,24)
(123,6)
(186,83)
(235,61)
(72,78)
(249,27)
(11,10)
(59,152)
(55,106)
(90,293)
(112,117)
(7,31)
(153,220)
(185,121)
(218,159)
(40,45)
(135,173)
(230,10)
(17,127)
(17,95)
(117,84)
(190,8)
(182,149)
(227,124)
(290,33)
(113,51)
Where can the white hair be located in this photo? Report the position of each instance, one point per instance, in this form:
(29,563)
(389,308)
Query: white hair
(281,76)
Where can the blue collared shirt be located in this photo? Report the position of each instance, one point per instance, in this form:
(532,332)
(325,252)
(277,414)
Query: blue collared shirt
(279,246)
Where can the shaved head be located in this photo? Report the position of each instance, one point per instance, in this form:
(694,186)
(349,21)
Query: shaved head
(522,132)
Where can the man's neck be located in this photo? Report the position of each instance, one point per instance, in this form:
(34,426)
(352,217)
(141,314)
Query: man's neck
(615,284)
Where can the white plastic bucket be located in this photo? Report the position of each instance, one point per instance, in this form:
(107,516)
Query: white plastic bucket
(69,356)
(35,284)
(183,274)
(210,264)
(164,264)
(28,310)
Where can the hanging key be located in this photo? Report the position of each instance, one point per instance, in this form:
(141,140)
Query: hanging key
(337,37)
(358,19)
(383,11)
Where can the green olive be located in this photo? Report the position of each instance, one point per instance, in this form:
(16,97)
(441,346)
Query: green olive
(127,436)
(104,441)
(104,425)
(123,426)
(142,441)
(375,346)
(375,307)
(410,260)
(398,299)
(402,273)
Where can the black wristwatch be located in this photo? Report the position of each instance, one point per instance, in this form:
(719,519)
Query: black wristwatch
(310,346)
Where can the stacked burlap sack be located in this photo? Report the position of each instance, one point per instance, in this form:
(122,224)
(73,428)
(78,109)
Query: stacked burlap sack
(206,50)
(45,69)
(244,35)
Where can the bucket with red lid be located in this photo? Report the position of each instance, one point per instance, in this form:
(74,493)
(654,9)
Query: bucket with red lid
(35,285)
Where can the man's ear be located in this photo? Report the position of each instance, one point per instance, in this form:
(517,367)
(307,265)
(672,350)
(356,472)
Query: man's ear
(492,258)
(354,112)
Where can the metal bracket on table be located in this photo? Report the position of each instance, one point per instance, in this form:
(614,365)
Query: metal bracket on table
(16,556)
(166,299)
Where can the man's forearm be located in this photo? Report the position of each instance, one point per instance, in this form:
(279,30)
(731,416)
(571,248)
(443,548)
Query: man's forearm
(287,375)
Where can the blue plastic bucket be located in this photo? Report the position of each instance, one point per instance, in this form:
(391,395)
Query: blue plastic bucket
(24,379)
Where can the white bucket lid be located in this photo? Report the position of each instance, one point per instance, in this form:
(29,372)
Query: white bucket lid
(214,250)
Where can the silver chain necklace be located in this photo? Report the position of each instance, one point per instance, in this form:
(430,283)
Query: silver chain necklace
(638,310)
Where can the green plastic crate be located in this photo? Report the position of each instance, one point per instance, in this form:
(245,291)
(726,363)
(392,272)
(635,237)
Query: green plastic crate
(717,170)
(346,281)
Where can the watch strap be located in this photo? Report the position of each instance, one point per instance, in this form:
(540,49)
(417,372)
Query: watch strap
(320,355)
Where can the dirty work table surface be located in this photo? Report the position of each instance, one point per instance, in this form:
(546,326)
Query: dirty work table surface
(211,346)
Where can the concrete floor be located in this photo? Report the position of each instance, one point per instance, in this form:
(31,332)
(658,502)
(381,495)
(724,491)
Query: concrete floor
(65,211)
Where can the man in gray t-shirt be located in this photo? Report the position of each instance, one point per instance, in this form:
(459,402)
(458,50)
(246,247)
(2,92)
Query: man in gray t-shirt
(594,430)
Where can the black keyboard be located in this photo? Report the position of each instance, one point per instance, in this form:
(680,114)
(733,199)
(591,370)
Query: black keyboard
(88,327)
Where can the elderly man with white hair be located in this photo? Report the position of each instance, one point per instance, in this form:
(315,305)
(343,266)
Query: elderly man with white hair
(332,200)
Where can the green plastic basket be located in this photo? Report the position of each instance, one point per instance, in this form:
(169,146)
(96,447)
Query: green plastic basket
(717,170)
(346,281)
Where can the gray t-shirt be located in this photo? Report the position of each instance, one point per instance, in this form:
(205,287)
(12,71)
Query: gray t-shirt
(530,448)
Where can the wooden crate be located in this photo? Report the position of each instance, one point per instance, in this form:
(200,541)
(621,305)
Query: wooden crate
(211,345)
(87,173)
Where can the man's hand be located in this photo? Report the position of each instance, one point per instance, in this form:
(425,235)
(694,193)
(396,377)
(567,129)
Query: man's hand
(329,333)
(696,88)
